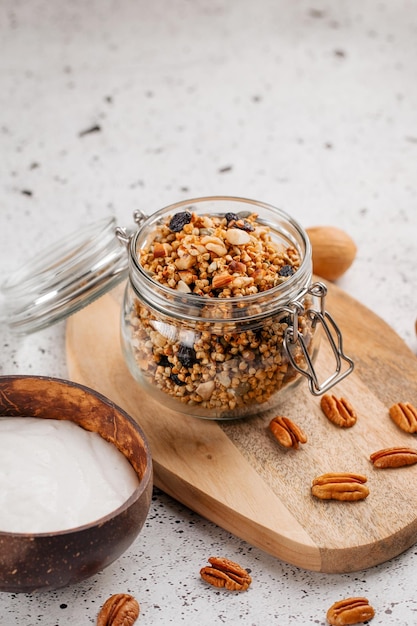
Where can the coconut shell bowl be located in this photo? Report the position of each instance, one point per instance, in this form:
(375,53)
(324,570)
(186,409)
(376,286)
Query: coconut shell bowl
(46,561)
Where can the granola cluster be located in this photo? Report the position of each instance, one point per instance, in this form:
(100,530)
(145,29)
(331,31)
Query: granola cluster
(216,369)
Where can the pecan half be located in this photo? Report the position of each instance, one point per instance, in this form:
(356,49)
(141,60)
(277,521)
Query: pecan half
(404,415)
(340,486)
(394,457)
(225,573)
(338,410)
(286,432)
(121,609)
(350,611)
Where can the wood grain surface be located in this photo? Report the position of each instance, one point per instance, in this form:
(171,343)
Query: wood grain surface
(236,475)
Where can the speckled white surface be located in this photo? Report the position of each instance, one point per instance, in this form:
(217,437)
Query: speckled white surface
(107,106)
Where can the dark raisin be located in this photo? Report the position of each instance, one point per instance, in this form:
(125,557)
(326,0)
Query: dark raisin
(186,355)
(286,270)
(178,221)
(163,360)
(176,380)
(231,217)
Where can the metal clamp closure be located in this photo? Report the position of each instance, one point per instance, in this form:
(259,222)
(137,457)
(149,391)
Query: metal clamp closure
(292,338)
(124,235)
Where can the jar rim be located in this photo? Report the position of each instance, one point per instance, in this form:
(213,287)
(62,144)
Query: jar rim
(238,307)
(90,261)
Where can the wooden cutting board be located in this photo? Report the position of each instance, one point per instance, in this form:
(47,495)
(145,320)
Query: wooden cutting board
(236,475)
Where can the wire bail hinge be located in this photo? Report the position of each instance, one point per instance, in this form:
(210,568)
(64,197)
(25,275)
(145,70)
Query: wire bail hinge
(293,337)
(124,235)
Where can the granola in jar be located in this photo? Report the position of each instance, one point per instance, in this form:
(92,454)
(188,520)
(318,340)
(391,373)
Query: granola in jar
(217,256)
(205,319)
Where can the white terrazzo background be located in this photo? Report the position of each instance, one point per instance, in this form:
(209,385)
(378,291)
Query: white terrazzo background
(311,106)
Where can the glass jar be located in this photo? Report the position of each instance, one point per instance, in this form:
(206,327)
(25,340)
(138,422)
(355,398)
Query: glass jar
(220,328)
(204,339)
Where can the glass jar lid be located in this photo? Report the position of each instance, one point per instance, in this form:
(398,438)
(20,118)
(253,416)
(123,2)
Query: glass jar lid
(66,277)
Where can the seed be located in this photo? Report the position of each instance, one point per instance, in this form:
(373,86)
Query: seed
(245,225)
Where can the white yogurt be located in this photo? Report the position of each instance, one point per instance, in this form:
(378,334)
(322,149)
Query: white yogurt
(54,475)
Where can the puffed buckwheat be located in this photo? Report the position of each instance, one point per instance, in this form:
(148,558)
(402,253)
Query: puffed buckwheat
(225,573)
(286,432)
(350,611)
(340,486)
(338,410)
